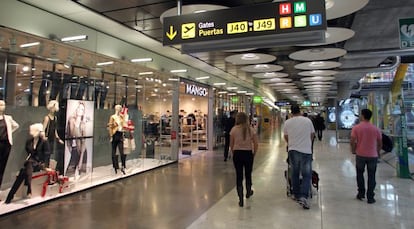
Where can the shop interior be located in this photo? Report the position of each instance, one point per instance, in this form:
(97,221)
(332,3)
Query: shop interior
(193,120)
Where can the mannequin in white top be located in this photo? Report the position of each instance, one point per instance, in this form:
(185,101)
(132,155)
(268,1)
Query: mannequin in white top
(7,127)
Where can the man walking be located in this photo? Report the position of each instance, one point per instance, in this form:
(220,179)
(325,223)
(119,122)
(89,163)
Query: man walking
(298,133)
(319,126)
(366,143)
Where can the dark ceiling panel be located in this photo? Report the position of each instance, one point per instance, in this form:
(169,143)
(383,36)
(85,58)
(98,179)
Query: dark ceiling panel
(158,9)
(155,34)
(129,15)
(145,25)
(105,5)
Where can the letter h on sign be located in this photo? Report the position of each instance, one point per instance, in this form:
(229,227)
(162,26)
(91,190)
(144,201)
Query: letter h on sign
(285,8)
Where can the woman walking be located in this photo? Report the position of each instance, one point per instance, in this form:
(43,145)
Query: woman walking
(243,145)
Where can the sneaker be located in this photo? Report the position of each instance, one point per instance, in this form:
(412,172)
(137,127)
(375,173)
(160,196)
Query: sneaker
(304,203)
(371,201)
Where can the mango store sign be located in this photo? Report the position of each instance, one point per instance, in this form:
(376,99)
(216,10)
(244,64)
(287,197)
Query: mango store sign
(192,89)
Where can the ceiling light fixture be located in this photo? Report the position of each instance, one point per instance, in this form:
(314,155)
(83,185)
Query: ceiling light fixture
(179,71)
(329,4)
(219,84)
(199,11)
(242,92)
(67,65)
(140,60)
(261,66)
(77,38)
(222,92)
(27,45)
(232,94)
(105,63)
(317,64)
(25,68)
(145,73)
(173,79)
(250,56)
(232,88)
(250,93)
(203,78)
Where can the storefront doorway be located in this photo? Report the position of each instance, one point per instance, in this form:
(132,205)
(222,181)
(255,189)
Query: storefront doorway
(193,118)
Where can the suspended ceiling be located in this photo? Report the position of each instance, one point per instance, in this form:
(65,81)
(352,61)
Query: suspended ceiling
(375,28)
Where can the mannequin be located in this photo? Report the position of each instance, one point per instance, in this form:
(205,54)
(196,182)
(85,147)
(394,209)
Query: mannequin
(50,124)
(129,141)
(37,150)
(7,127)
(116,126)
(75,132)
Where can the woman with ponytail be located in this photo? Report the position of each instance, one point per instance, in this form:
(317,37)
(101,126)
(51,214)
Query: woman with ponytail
(243,145)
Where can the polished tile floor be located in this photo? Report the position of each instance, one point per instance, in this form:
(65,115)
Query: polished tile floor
(199,193)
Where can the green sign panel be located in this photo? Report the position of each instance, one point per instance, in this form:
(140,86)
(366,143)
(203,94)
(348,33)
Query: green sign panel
(306,103)
(246,21)
(406,33)
(257,99)
(235,99)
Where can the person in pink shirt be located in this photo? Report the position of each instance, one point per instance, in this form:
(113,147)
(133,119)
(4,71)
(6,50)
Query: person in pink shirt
(366,143)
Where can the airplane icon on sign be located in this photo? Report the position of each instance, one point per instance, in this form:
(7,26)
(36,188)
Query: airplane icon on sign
(187,28)
(188,31)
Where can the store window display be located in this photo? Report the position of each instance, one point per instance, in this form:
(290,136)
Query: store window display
(37,149)
(7,127)
(51,135)
(73,104)
(75,133)
(116,126)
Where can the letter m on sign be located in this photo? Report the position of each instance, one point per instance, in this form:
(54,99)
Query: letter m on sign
(299,7)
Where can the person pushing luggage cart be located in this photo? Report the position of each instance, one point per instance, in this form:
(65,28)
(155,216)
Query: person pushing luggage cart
(298,133)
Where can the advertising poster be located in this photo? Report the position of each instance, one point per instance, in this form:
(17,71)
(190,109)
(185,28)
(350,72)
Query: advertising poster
(347,114)
(331,115)
(79,138)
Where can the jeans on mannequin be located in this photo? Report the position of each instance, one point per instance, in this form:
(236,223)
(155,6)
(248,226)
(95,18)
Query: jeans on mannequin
(118,143)
(100,95)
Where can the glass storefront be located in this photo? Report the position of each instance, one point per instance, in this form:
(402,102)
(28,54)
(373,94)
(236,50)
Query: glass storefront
(83,96)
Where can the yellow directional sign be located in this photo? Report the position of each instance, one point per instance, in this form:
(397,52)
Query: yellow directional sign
(188,30)
(171,34)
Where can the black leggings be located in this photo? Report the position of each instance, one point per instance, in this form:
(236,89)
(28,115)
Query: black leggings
(25,175)
(118,142)
(5,148)
(243,159)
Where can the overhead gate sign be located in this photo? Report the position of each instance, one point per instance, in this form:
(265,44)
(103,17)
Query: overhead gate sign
(246,21)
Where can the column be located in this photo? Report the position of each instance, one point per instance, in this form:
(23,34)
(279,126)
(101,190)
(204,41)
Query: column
(344,90)
(210,121)
(175,123)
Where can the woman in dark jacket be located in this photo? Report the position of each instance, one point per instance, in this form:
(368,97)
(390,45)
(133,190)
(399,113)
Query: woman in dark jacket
(37,150)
